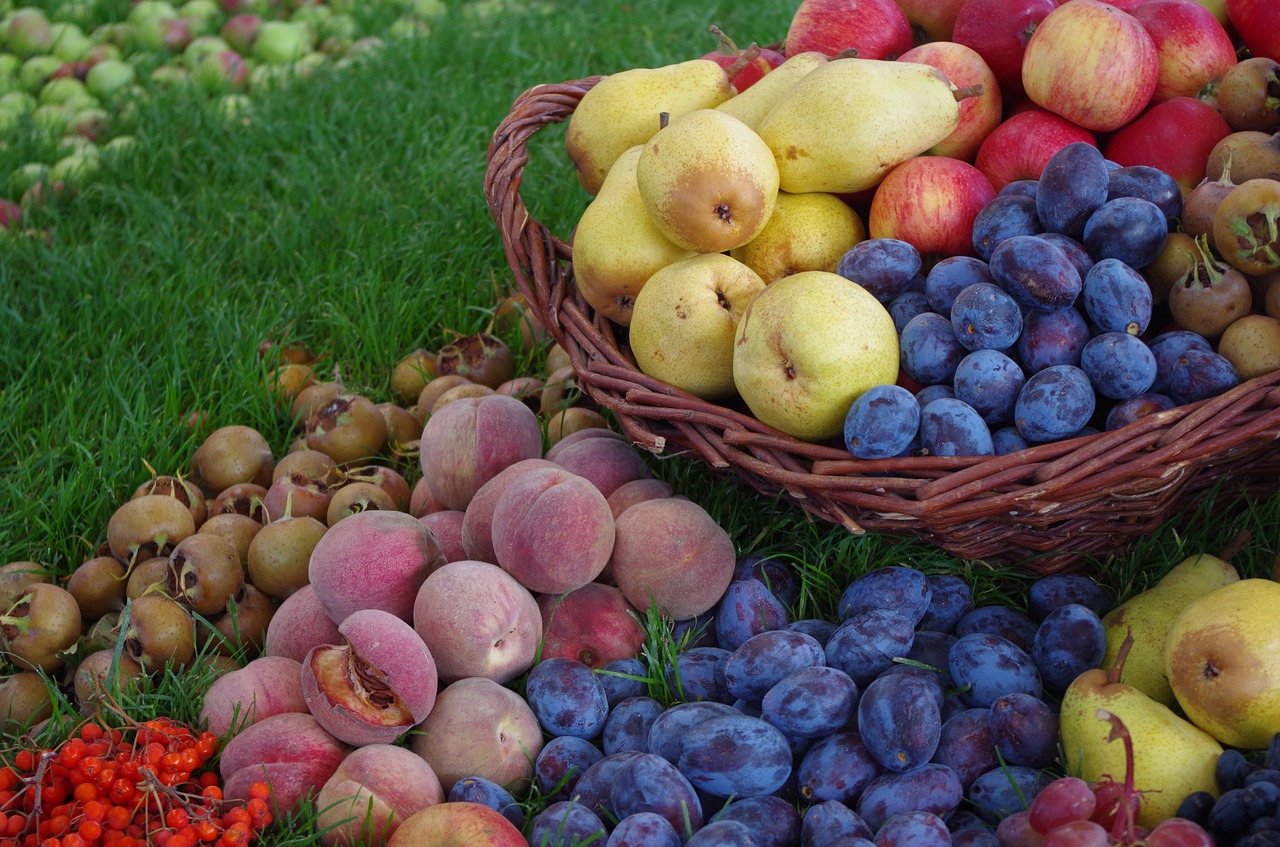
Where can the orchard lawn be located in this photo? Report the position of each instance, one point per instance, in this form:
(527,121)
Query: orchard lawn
(345,212)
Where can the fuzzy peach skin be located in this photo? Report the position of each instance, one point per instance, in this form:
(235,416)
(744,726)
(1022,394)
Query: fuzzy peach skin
(477,524)
(373,791)
(376,686)
(637,491)
(671,554)
(593,624)
(480,728)
(373,560)
(268,685)
(457,824)
(606,462)
(478,621)
(469,441)
(552,530)
(446,526)
(299,624)
(291,752)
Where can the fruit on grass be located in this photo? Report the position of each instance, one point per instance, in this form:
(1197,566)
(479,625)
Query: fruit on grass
(97,674)
(291,752)
(481,357)
(1221,660)
(708,181)
(594,625)
(299,624)
(39,626)
(232,454)
(1091,63)
(98,584)
(147,526)
(670,554)
(806,232)
(205,573)
(348,428)
(479,728)
(160,632)
(914,104)
(1171,757)
(683,322)
(573,419)
(373,560)
(470,441)
(761,61)
(477,524)
(446,526)
(1246,226)
(266,686)
(622,111)
(477,621)
(603,456)
(802,382)
(301,494)
(355,497)
(457,824)
(552,530)
(375,789)
(183,489)
(630,493)
(376,685)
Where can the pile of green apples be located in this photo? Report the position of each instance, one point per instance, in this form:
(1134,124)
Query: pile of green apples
(72,77)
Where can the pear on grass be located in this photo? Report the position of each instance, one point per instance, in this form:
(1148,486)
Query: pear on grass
(1171,757)
(617,246)
(1149,616)
(684,319)
(806,232)
(708,181)
(807,347)
(623,109)
(1222,655)
(847,123)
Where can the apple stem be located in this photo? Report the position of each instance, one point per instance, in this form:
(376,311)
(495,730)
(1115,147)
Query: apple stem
(1117,666)
(967,91)
(745,58)
(724,43)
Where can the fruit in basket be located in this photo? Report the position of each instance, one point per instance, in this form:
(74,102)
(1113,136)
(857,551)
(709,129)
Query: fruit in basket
(617,246)
(1222,657)
(1020,146)
(1245,226)
(806,232)
(683,322)
(1258,23)
(877,29)
(708,181)
(998,31)
(623,109)
(1247,95)
(1214,296)
(760,63)
(1171,756)
(1091,63)
(1194,50)
(1252,345)
(930,202)
(822,135)
(979,114)
(802,380)
(752,105)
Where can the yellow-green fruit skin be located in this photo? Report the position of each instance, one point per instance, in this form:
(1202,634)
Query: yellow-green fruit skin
(1172,757)
(1149,616)
(848,122)
(1222,657)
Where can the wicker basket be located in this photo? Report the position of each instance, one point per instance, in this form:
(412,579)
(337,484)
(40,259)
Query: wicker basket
(1053,507)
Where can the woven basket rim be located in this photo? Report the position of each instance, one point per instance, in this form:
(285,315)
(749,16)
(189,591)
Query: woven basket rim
(1051,507)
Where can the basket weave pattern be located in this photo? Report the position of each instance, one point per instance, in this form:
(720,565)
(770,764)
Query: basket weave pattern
(1050,507)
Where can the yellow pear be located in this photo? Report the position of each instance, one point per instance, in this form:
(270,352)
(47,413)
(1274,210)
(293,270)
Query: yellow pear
(1171,757)
(847,123)
(684,319)
(806,232)
(752,105)
(1150,614)
(616,245)
(624,109)
(1222,656)
(807,347)
(708,181)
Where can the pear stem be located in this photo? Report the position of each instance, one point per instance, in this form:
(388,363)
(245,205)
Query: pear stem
(1117,666)
(975,90)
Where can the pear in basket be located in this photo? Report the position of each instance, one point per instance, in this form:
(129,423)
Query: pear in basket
(683,323)
(752,105)
(624,109)
(846,124)
(708,181)
(806,232)
(617,246)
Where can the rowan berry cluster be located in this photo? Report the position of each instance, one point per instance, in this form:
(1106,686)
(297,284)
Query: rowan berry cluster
(141,784)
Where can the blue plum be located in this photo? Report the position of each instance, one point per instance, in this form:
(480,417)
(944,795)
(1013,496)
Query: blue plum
(1004,217)
(837,767)
(1051,338)
(698,674)
(949,277)
(486,792)
(989,382)
(1117,298)
(1025,730)
(1119,365)
(567,698)
(987,666)
(1055,403)
(567,823)
(1135,409)
(1130,229)
(627,727)
(897,588)
(886,267)
(1006,789)
(1036,273)
(623,678)
(649,783)
(560,764)
(1050,591)
(824,822)
(737,756)
(900,720)
(985,317)
(913,829)
(1004,621)
(966,745)
(667,731)
(951,427)
(643,829)
(1070,640)
(868,642)
(950,598)
(1149,183)
(1072,186)
(763,660)
(882,422)
(929,349)
(724,833)
(748,608)
(781,578)
(773,821)
(811,702)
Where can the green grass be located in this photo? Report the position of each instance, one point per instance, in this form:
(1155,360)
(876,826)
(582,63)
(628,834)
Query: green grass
(346,213)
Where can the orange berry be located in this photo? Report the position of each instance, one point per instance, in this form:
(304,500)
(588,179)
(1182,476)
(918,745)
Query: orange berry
(260,790)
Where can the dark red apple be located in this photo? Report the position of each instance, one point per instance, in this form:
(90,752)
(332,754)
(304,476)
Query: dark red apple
(1021,146)
(1258,22)
(1175,136)
(1193,49)
(998,30)
(931,20)
(877,29)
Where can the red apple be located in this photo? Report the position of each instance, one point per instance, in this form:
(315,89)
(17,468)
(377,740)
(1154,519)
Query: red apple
(10,214)
(1022,144)
(931,20)
(1175,136)
(1218,8)
(1091,63)
(728,55)
(457,824)
(978,114)
(1193,49)
(930,202)
(1258,22)
(998,30)
(877,29)
(1124,5)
